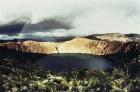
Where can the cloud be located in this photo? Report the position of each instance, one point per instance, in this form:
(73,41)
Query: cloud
(85,16)
(44,36)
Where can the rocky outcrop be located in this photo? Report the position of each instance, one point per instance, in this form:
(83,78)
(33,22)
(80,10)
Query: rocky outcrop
(114,37)
(76,45)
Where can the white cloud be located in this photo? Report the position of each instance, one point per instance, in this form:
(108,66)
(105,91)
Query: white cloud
(87,16)
(46,36)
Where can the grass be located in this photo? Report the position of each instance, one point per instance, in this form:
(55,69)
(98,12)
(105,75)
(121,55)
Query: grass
(17,77)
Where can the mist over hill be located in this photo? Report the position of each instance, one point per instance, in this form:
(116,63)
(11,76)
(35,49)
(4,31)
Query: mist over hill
(70,18)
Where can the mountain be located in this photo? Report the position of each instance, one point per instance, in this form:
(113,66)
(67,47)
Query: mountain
(106,44)
(14,27)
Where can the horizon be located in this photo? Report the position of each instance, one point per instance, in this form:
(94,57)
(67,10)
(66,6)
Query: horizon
(49,18)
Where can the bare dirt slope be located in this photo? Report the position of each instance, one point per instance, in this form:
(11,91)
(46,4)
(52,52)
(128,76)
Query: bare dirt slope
(104,45)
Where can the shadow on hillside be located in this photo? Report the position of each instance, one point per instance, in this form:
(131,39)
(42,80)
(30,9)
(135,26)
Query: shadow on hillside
(66,61)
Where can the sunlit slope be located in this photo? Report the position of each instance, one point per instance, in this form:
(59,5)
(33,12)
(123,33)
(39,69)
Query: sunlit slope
(76,45)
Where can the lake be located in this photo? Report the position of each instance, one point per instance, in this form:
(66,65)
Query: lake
(74,61)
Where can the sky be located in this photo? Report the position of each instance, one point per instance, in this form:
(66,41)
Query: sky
(84,17)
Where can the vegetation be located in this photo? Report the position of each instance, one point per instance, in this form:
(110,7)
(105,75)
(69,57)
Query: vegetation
(25,77)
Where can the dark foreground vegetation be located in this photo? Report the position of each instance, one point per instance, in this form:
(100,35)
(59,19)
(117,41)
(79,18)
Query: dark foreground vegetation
(26,76)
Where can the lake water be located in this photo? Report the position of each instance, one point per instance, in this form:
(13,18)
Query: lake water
(74,61)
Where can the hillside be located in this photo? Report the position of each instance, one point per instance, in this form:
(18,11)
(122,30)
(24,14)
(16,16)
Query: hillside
(101,46)
(21,72)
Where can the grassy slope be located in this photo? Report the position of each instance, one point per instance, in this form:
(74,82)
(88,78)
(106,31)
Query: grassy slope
(19,77)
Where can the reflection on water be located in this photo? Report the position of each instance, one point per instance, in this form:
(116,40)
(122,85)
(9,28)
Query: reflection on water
(72,61)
